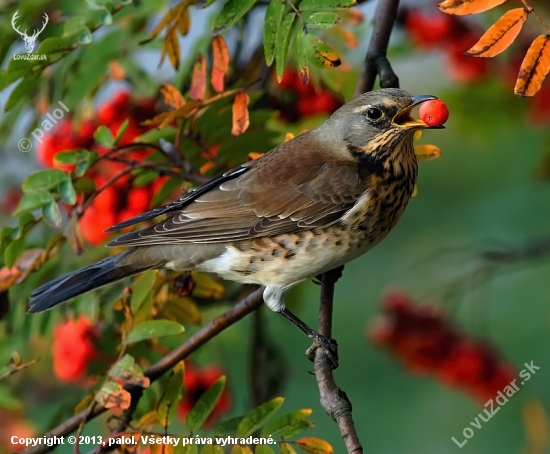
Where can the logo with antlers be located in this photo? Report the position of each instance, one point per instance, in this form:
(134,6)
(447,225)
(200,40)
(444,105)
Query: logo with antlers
(29,40)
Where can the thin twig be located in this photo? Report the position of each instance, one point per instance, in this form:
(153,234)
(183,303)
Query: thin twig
(333,400)
(376,61)
(216,326)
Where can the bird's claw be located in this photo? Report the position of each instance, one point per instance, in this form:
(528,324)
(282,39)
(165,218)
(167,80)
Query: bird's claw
(328,346)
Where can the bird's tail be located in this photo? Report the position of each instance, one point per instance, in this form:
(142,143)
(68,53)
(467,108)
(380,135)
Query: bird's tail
(97,275)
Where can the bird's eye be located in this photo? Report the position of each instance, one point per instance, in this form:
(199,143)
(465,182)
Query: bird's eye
(374,114)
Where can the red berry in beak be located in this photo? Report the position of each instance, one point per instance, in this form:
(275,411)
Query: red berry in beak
(434,113)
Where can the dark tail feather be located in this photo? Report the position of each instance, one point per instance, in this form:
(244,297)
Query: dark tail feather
(82,281)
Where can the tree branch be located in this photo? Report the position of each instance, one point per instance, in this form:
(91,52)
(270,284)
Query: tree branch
(333,399)
(216,326)
(376,61)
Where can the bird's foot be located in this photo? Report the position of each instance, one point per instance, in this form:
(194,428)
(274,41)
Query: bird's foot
(328,346)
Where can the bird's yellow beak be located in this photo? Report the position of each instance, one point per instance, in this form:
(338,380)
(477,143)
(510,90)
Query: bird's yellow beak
(404,118)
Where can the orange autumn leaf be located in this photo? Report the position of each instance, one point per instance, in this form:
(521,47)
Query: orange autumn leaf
(463,7)
(314,445)
(427,152)
(501,34)
(198,82)
(534,68)
(221,62)
(241,119)
(172,96)
(253,155)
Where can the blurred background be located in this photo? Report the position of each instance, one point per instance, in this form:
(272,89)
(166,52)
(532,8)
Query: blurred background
(470,255)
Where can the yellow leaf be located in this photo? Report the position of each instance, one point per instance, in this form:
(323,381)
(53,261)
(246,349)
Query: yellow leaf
(206,286)
(314,445)
(464,7)
(165,118)
(415,191)
(172,96)
(427,152)
(147,420)
(171,47)
(536,426)
(182,310)
(84,403)
(241,118)
(289,136)
(286,449)
(252,156)
(500,35)
(534,68)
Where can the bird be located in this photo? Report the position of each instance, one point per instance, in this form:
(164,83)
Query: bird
(308,206)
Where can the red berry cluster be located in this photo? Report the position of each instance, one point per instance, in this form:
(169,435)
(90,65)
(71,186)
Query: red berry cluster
(453,35)
(196,381)
(424,342)
(296,100)
(73,348)
(120,201)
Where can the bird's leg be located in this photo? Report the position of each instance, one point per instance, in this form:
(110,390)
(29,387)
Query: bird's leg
(274,299)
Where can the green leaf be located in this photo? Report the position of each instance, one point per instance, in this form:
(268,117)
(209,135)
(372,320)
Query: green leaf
(320,54)
(54,47)
(170,186)
(257,417)
(228,426)
(83,166)
(103,136)
(52,214)
(13,251)
(126,371)
(84,185)
(273,18)
(142,287)
(67,192)
(283,39)
(204,405)
(296,428)
(121,131)
(44,179)
(325,5)
(23,91)
(105,17)
(145,177)
(85,36)
(168,403)
(230,14)
(153,328)
(74,26)
(322,20)
(212,449)
(31,201)
(280,423)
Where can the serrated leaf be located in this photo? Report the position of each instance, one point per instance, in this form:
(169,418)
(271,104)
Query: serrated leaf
(280,423)
(31,201)
(322,20)
(534,68)
(325,5)
(281,46)
(464,7)
(142,287)
(255,419)
(500,35)
(153,328)
(273,18)
(313,445)
(67,191)
(320,53)
(44,179)
(121,131)
(103,136)
(231,13)
(52,214)
(228,426)
(171,394)
(205,405)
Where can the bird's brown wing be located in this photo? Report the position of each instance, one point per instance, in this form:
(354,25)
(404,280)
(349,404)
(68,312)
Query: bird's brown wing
(264,200)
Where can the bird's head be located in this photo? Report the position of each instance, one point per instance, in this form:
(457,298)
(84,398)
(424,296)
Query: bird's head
(380,123)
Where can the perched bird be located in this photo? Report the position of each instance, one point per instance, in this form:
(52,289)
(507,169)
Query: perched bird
(308,206)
